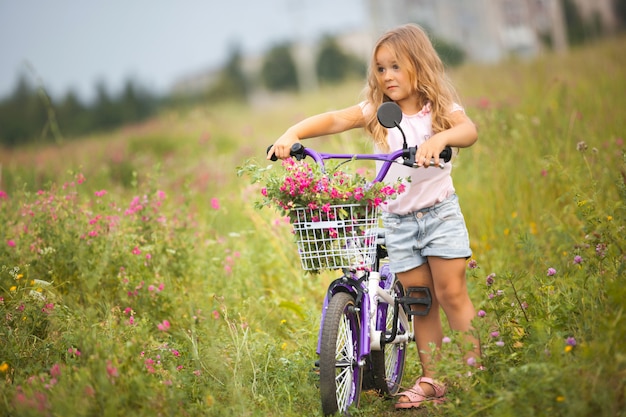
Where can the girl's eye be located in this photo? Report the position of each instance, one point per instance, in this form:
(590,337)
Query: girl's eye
(396,67)
(380,69)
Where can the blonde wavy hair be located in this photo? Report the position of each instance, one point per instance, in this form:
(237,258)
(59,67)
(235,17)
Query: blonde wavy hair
(414,51)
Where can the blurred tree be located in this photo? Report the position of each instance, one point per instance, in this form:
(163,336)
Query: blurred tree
(73,116)
(231,82)
(22,114)
(452,55)
(333,65)
(135,103)
(577,30)
(279,70)
(106,114)
(29,114)
(620,11)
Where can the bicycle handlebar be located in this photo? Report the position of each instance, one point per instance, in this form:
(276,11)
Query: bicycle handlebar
(299,152)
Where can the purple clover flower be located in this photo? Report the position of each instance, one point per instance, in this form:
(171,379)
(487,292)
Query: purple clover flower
(551,272)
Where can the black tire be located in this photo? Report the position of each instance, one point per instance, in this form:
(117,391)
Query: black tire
(340,373)
(387,365)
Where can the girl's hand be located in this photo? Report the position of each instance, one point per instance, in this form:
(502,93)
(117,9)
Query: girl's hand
(461,135)
(282,147)
(429,151)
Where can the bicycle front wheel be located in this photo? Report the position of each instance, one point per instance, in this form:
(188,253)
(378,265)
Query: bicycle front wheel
(340,373)
(388,363)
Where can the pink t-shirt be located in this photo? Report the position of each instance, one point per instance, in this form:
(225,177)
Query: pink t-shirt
(428,186)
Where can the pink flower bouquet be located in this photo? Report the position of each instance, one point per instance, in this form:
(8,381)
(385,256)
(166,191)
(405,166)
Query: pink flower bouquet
(334,213)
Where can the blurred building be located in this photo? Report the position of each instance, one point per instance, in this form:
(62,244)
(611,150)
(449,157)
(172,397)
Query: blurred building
(489,30)
(486,30)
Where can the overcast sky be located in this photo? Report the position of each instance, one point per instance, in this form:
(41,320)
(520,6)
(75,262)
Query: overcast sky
(75,44)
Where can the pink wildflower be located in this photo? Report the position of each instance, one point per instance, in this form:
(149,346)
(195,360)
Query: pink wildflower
(47,309)
(11,243)
(74,351)
(215,204)
(164,326)
(136,251)
(55,371)
(111,370)
(100,193)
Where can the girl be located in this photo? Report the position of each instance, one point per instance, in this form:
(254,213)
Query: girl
(426,236)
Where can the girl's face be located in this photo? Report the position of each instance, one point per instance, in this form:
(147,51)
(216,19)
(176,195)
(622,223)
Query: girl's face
(393,80)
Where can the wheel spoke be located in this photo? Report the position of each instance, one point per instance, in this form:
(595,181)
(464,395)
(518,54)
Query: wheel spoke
(340,375)
(344,364)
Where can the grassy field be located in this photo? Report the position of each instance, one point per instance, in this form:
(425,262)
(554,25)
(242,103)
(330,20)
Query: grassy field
(137,279)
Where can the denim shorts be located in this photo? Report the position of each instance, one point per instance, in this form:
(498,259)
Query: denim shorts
(438,231)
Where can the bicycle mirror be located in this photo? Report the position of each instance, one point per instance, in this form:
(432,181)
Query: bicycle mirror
(389,114)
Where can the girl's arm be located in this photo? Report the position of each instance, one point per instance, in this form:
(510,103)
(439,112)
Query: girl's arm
(462,134)
(319,125)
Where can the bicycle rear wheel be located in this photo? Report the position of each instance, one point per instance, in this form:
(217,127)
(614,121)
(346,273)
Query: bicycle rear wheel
(340,373)
(388,363)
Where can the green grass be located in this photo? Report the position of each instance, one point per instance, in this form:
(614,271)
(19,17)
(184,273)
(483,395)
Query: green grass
(174,239)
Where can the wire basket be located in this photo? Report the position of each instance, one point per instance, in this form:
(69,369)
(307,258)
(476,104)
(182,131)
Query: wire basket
(336,236)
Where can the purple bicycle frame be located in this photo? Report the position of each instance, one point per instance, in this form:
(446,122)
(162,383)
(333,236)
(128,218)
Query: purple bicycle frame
(352,285)
(388,159)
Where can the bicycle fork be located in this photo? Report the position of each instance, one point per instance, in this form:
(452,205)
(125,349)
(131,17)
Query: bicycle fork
(377,337)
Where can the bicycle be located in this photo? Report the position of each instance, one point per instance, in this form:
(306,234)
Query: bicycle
(366,315)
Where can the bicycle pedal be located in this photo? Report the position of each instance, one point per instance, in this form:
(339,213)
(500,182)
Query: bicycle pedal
(424,301)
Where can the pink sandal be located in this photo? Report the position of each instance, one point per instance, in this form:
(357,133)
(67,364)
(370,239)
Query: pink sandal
(417,396)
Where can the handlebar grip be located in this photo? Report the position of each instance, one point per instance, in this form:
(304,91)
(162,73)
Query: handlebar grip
(446,154)
(297,151)
(273,158)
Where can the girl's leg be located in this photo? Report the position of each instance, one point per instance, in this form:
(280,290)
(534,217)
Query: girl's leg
(451,289)
(427,328)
